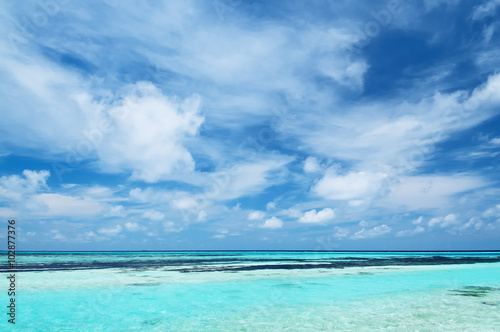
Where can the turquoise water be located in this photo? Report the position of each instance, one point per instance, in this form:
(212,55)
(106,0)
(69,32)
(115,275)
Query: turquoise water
(257,291)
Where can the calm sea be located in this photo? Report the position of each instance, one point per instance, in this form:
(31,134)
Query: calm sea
(255,291)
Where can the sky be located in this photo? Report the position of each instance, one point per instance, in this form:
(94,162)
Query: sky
(230,124)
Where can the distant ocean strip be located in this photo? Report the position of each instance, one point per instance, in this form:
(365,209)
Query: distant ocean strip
(192,263)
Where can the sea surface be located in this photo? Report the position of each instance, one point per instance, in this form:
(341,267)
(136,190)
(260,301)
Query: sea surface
(255,291)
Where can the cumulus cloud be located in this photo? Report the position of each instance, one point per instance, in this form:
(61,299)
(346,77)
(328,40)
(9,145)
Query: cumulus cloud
(272,223)
(473,223)
(256,215)
(371,233)
(453,225)
(313,217)
(311,165)
(444,222)
(14,187)
(116,211)
(492,212)
(418,221)
(349,186)
(153,215)
(291,212)
(63,205)
(271,206)
(133,226)
(152,195)
(148,134)
(184,203)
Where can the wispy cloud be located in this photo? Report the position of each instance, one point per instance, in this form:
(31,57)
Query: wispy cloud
(371,233)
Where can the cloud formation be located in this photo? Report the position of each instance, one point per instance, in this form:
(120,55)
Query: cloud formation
(272,223)
(371,233)
(314,217)
(174,125)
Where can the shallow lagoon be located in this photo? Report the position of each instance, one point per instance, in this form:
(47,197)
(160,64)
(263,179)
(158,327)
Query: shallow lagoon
(258,291)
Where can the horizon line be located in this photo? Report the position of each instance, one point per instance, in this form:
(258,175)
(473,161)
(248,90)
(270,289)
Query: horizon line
(251,250)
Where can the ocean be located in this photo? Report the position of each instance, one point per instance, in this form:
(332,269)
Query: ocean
(255,291)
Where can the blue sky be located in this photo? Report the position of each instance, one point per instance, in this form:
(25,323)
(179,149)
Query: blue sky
(228,124)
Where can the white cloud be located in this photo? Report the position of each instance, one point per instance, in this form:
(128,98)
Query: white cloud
(271,206)
(152,195)
(397,139)
(247,178)
(313,217)
(133,226)
(110,231)
(272,223)
(14,187)
(411,232)
(492,212)
(184,203)
(473,223)
(418,221)
(371,233)
(444,222)
(291,212)
(62,205)
(153,215)
(41,86)
(148,135)
(256,215)
(495,141)
(117,211)
(351,75)
(350,186)
(420,192)
(311,165)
